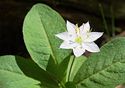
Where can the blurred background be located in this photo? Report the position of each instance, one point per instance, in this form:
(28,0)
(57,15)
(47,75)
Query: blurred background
(107,16)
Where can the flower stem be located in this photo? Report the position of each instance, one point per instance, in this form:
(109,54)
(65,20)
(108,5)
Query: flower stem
(104,19)
(70,69)
(112,21)
(62,85)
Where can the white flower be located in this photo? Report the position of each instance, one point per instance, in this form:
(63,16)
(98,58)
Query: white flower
(79,38)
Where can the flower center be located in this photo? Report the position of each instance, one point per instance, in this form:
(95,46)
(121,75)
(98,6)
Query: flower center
(78,40)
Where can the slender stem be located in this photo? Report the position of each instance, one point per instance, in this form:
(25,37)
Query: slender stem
(62,85)
(112,21)
(104,20)
(71,68)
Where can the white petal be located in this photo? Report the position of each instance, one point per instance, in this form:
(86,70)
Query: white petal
(78,51)
(68,45)
(81,28)
(65,45)
(70,27)
(63,35)
(72,37)
(85,27)
(92,36)
(92,47)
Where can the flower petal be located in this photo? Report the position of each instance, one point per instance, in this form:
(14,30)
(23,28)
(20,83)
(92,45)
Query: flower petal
(84,28)
(78,51)
(81,28)
(92,47)
(65,45)
(68,45)
(63,35)
(70,27)
(92,36)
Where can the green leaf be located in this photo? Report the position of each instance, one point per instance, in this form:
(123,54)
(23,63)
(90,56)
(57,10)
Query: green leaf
(70,85)
(59,71)
(12,77)
(105,69)
(62,69)
(39,29)
(77,63)
(31,69)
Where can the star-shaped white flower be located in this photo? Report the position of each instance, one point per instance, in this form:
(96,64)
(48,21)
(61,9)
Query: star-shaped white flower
(79,38)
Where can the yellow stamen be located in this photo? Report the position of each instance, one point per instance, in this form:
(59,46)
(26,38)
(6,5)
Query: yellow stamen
(77,29)
(78,40)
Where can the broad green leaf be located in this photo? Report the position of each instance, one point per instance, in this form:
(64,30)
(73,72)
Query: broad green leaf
(39,29)
(70,85)
(59,70)
(76,64)
(105,69)
(62,69)
(12,77)
(31,69)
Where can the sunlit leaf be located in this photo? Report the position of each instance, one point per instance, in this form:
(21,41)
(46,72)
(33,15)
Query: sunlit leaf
(39,29)
(12,77)
(105,69)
